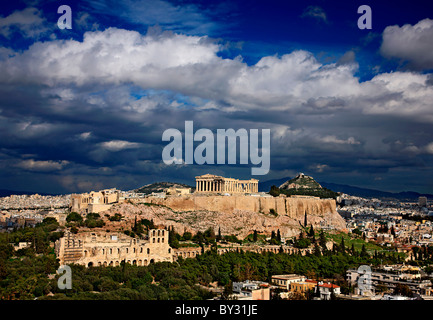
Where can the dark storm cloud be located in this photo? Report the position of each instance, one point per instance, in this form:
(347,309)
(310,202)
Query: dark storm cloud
(80,115)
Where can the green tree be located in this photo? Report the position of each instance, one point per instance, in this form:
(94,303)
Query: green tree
(275,191)
(357,231)
(74,216)
(316,250)
(278,237)
(173,239)
(363,251)
(342,245)
(219,237)
(187,236)
(115,217)
(209,234)
(322,240)
(228,291)
(273,212)
(312,234)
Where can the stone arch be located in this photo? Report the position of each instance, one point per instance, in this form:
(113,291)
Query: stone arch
(90,264)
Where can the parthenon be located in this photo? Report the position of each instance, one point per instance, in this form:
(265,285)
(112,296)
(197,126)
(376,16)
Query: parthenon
(216,184)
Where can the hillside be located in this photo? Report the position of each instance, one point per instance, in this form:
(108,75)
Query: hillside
(301,181)
(303,185)
(160,186)
(265,186)
(238,222)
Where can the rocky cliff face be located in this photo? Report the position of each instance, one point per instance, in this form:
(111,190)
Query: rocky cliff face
(238,215)
(293,207)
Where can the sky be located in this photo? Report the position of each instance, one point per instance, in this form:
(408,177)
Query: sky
(85,108)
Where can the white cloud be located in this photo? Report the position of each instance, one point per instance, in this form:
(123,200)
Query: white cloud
(429,148)
(291,80)
(190,65)
(319,167)
(399,93)
(114,56)
(410,43)
(42,165)
(28,21)
(334,139)
(117,145)
(85,135)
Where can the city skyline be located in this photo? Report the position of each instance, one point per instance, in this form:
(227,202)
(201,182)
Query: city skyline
(85,108)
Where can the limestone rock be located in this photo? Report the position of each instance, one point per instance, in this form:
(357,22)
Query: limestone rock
(238,215)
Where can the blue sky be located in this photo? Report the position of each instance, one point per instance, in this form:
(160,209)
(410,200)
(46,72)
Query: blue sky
(85,108)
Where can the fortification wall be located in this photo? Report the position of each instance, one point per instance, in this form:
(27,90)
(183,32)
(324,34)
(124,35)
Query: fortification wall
(294,207)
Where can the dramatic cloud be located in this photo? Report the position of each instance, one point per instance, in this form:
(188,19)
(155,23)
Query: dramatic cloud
(412,44)
(29,22)
(94,109)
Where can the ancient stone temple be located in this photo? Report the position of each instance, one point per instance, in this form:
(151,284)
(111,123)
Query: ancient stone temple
(216,184)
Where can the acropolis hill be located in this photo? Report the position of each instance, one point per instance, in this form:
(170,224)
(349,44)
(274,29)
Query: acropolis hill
(226,195)
(231,205)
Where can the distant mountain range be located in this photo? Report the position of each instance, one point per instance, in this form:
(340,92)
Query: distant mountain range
(351,190)
(265,186)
